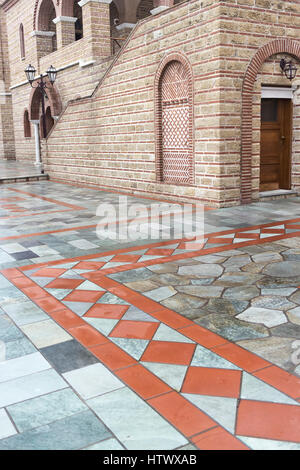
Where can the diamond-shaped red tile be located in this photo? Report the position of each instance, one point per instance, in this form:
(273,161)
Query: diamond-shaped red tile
(107,311)
(210,381)
(134,329)
(169,352)
(159,252)
(84,296)
(49,272)
(64,283)
(90,265)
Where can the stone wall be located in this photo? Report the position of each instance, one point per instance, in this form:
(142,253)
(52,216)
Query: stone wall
(116,129)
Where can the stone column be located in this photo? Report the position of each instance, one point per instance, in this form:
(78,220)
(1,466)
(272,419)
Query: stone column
(38,159)
(96,27)
(65,30)
(44,42)
(161,5)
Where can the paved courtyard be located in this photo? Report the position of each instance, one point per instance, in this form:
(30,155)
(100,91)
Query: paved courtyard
(149,344)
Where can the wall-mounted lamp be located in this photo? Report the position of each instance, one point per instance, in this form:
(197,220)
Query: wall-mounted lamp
(289,68)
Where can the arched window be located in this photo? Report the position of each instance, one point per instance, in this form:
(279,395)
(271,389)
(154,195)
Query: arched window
(116,43)
(27,127)
(46,16)
(78,24)
(144,9)
(22,41)
(174,121)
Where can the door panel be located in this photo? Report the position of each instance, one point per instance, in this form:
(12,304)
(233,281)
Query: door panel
(275,144)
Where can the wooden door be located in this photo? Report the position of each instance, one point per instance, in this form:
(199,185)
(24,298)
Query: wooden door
(275,148)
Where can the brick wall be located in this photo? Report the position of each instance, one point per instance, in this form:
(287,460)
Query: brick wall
(115,129)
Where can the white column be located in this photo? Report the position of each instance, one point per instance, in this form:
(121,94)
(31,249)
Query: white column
(38,159)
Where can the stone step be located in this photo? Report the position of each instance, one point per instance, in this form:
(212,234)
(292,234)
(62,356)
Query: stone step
(277,194)
(23,178)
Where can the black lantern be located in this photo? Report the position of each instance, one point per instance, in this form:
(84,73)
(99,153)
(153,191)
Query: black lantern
(289,68)
(30,73)
(51,72)
(41,84)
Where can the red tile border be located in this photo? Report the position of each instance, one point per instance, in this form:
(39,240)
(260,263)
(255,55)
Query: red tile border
(218,439)
(143,382)
(186,417)
(112,356)
(268,420)
(87,335)
(247,360)
(280,379)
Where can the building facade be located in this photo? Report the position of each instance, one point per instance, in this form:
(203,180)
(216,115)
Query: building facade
(180,100)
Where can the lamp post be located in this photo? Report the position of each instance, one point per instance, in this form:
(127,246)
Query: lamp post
(42,85)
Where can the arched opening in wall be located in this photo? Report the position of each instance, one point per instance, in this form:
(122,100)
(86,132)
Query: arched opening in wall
(144,9)
(27,126)
(53,107)
(275,123)
(174,124)
(45,23)
(22,41)
(116,41)
(49,120)
(79,22)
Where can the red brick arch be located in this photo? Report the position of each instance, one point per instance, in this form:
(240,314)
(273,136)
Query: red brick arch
(277,46)
(173,57)
(35,100)
(41,13)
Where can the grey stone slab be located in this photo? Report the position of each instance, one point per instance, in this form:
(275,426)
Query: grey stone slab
(108,444)
(205,358)
(70,433)
(221,409)
(109,298)
(226,306)
(132,275)
(45,409)
(135,314)
(183,302)
(45,333)
(232,328)
(241,293)
(23,313)
(288,330)
(134,347)
(68,355)
(8,331)
(19,347)
(272,302)
(161,293)
(21,366)
(268,444)
(30,386)
(267,317)
(201,291)
(6,426)
(201,270)
(283,269)
(255,389)
(92,380)
(136,425)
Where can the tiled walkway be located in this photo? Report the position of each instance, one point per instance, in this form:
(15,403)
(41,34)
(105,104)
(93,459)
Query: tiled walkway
(148,345)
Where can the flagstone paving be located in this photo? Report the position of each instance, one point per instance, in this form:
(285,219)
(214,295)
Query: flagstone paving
(151,344)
